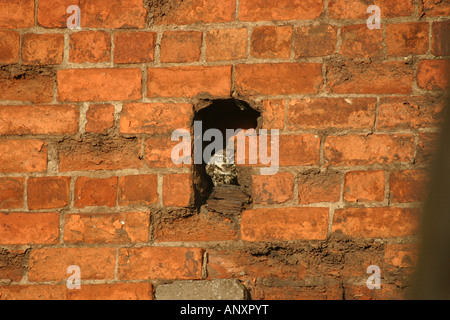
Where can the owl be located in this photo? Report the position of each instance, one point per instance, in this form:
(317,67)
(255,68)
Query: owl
(221,169)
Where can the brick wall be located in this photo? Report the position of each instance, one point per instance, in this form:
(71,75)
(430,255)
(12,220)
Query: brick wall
(86,176)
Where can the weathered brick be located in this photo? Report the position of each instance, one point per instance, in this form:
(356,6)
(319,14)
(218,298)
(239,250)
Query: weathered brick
(134,47)
(99,118)
(155,118)
(271,42)
(123,227)
(358,41)
(433,74)
(196,11)
(95,192)
(226,44)
(158,152)
(138,190)
(189,81)
(408,185)
(11,193)
(115,291)
(315,41)
(325,113)
(359,149)
(363,186)
(308,144)
(181,46)
(13,265)
(319,186)
(90,46)
(160,263)
(284,224)
(48,192)
(33,292)
(383,222)
(427,147)
(22,120)
(9,47)
(42,49)
(17,14)
(94,14)
(351,9)
(277,188)
(401,255)
(99,84)
(177,190)
(273,114)
(430,8)
(23,156)
(348,76)
(329,292)
(50,264)
(260,10)
(440,45)
(278,79)
(407,38)
(410,112)
(203,227)
(29,228)
(362,292)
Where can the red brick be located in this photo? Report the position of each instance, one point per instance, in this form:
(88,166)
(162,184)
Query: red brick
(181,46)
(160,263)
(433,74)
(94,14)
(16,14)
(177,190)
(384,222)
(158,152)
(42,48)
(155,118)
(358,41)
(362,292)
(440,45)
(115,291)
(317,186)
(315,41)
(308,144)
(271,42)
(359,149)
(50,264)
(427,147)
(27,84)
(329,292)
(9,47)
(48,192)
(408,185)
(431,8)
(273,114)
(99,84)
(203,227)
(260,10)
(410,112)
(12,265)
(278,79)
(401,255)
(29,228)
(134,47)
(363,186)
(284,224)
(124,227)
(349,76)
(90,46)
(22,120)
(11,193)
(95,192)
(407,38)
(277,188)
(195,11)
(23,156)
(189,81)
(351,9)
(325,113)
(138,189)
(226,44)
(100,118)
(33,292)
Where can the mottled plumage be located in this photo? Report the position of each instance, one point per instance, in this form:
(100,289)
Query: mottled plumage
(220,170)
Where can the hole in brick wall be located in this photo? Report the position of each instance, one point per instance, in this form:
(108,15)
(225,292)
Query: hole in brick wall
(223,188)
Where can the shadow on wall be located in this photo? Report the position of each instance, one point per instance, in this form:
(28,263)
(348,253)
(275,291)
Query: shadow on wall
(432,280)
